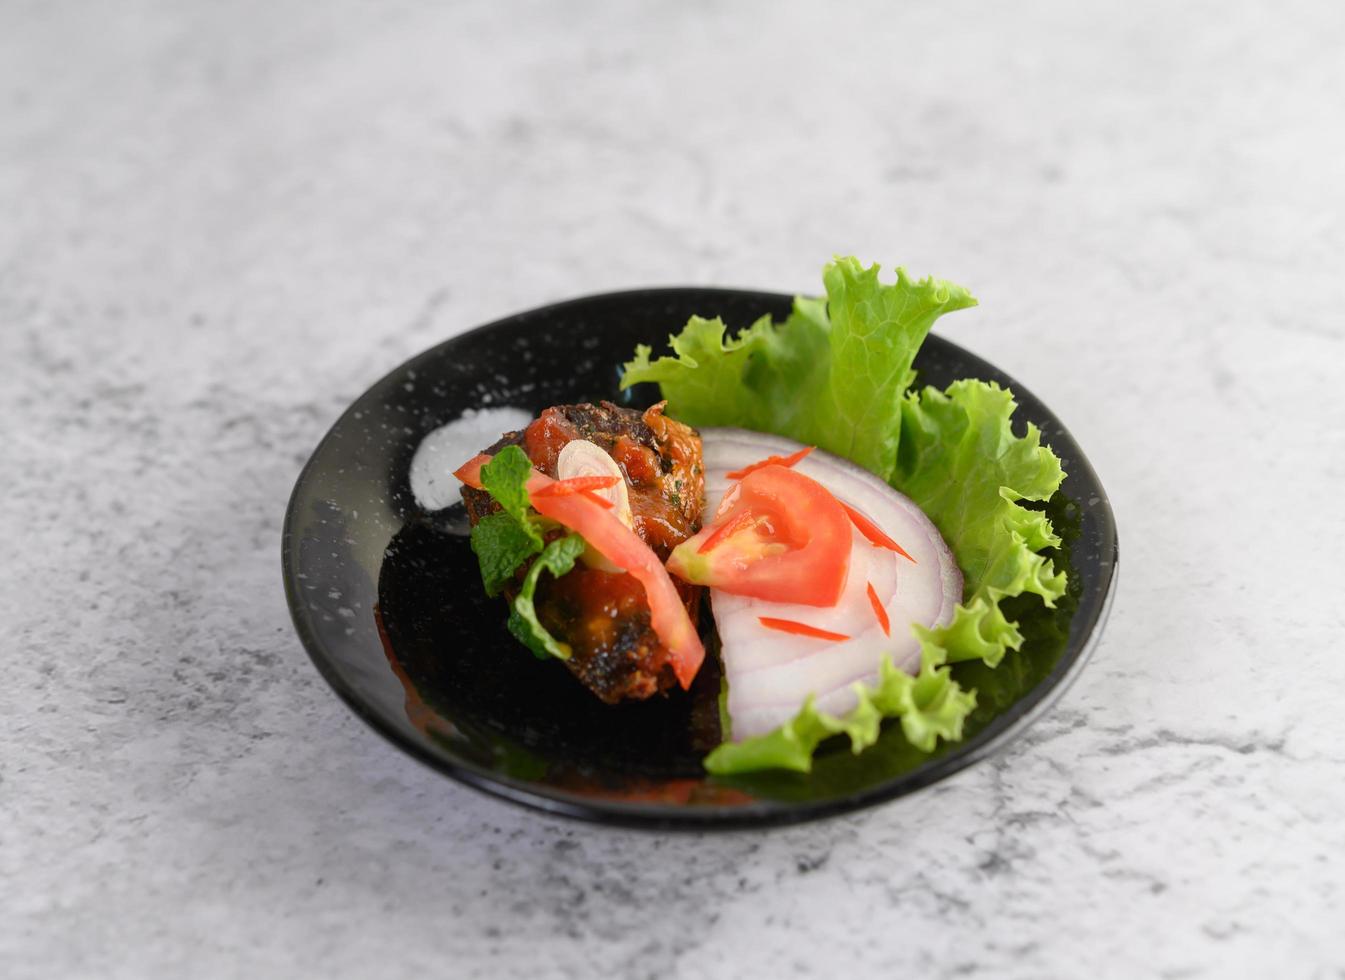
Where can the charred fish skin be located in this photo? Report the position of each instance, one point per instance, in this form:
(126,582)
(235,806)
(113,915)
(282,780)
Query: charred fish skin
(604,616)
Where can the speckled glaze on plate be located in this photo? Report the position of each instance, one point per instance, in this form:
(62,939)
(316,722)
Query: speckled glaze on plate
(388,602)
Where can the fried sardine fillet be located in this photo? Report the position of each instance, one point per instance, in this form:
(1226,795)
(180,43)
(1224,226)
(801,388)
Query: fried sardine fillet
(603,615)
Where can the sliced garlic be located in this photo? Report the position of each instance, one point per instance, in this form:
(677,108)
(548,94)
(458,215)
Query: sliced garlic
(579,457)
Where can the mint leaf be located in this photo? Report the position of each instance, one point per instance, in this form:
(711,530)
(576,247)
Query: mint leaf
(501,544)
(504,540)
(505,478)
(557,558)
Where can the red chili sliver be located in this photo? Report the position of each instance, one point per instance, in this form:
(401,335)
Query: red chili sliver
(789,460)
(590,495)
(579,484)
(874,533)
(799,629)
(879,611)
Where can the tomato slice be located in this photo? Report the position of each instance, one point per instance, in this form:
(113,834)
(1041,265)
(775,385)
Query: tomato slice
(781,536)
(590,517)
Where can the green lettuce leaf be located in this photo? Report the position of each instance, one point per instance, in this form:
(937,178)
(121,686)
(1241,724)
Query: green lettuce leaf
(930,705)
(505,540)
(961,462)
(833,375)
(557,558)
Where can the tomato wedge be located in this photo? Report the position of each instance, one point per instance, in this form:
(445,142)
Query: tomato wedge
(781,537)
(603,530)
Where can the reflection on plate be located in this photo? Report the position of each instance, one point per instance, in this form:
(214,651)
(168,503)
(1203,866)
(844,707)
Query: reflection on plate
(386,595)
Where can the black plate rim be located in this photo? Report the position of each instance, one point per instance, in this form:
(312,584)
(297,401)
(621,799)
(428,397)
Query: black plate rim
(992,739)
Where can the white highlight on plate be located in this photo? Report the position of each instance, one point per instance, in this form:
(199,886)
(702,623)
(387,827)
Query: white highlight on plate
(449,446)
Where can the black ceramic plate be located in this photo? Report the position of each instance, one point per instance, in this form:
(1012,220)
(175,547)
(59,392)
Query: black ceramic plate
(387,599)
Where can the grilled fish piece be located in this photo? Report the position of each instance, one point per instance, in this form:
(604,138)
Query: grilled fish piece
(603,616)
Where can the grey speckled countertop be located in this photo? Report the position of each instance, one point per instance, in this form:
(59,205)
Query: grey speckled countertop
(220,223)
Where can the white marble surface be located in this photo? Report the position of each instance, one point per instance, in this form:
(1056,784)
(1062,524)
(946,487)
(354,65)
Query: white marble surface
(219,223)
